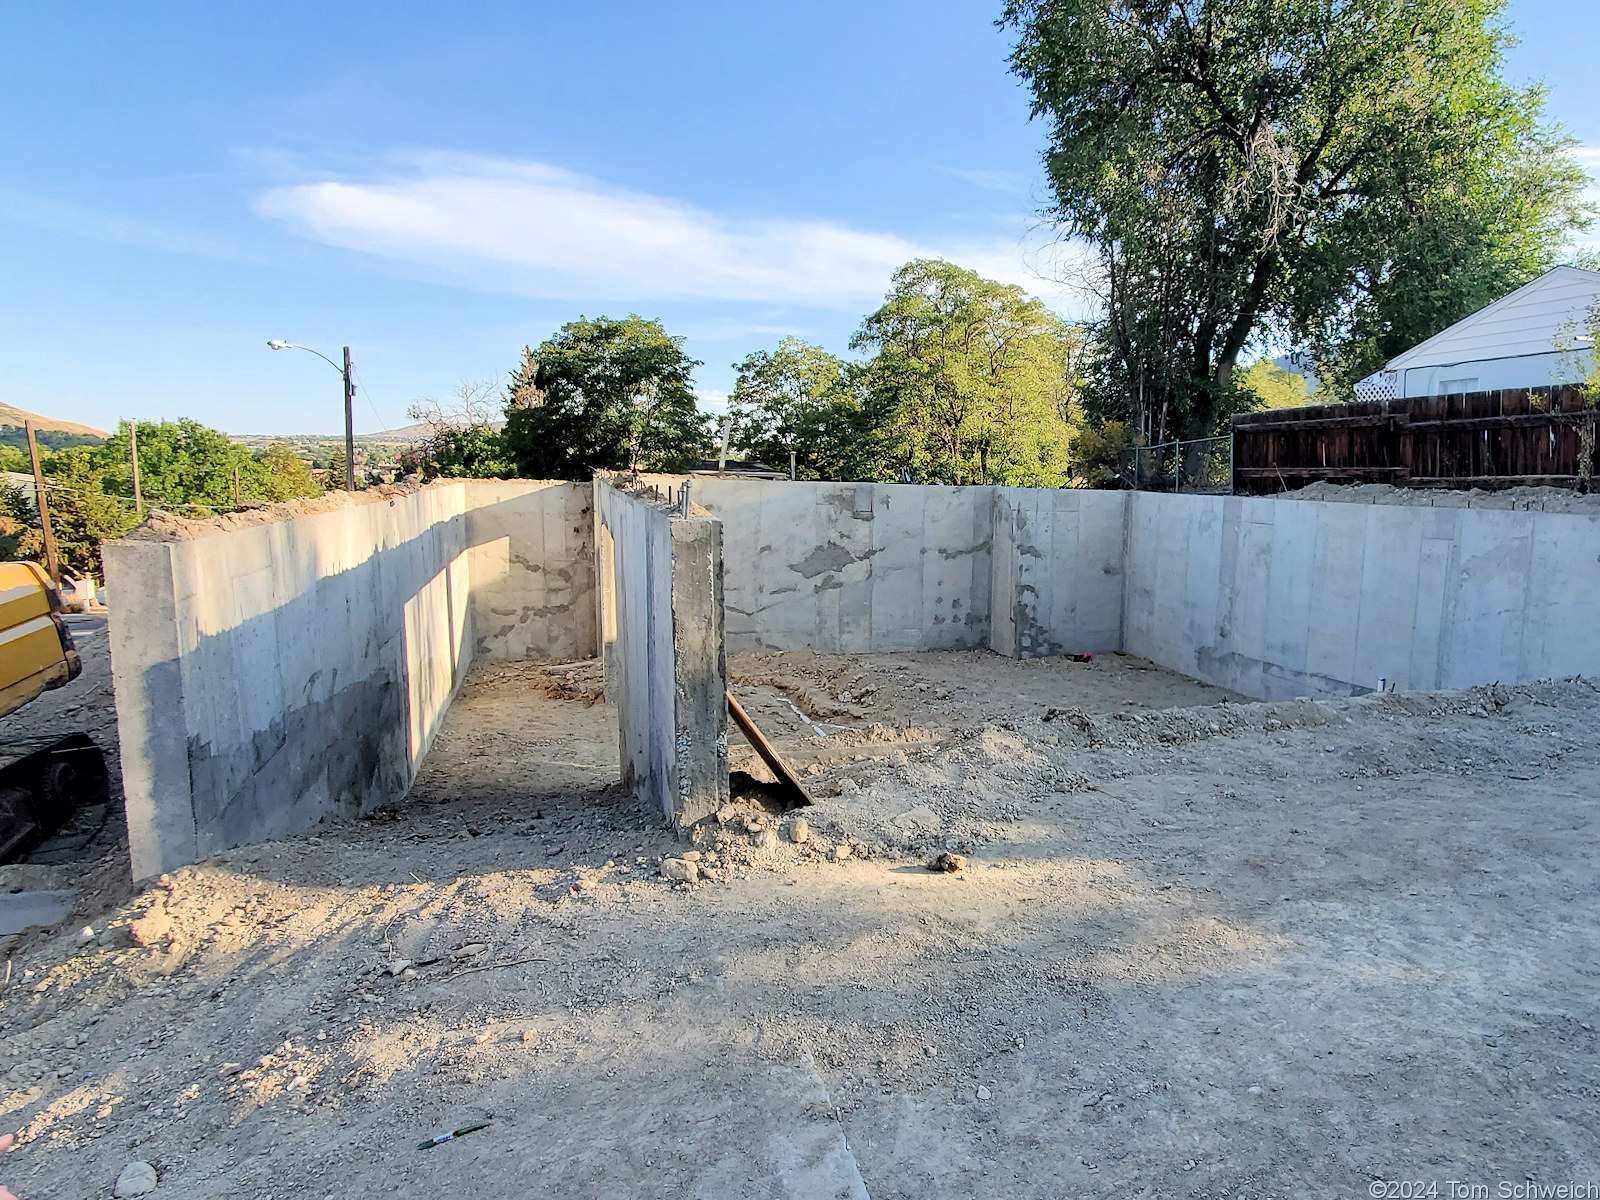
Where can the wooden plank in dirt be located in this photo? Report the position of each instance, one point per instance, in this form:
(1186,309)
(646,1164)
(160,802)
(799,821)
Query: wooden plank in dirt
(768,752)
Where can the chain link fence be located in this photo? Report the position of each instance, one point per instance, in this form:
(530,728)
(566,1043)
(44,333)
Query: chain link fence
(1199,465)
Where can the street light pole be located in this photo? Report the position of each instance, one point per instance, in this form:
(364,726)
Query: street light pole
(349,427)
(349,406)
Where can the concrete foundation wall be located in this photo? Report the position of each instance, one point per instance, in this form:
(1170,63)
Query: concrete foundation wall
(852,567)
(532,561)
(269,676)
(1282,598)
(1057,572)
(666,669)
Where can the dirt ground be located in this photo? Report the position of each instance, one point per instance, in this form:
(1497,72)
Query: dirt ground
(1522,498)
(1202,948)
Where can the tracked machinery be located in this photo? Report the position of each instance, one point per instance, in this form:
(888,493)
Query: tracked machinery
(44,779)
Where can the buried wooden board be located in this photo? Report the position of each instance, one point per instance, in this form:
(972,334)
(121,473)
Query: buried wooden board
(769,754)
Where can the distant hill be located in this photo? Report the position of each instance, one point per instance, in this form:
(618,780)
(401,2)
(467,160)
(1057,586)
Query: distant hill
(405,435)
(57,435)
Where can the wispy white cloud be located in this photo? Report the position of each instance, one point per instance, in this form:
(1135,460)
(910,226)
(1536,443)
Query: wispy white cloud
(69,217)
(539,230)
(991,181)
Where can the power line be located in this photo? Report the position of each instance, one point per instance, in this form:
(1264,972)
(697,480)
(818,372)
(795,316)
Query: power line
(366,394)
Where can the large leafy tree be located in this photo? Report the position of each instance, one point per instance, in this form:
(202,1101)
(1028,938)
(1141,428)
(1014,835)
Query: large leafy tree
(799,398)
(183,466)
(972,380)
(604,394)
(1499,223)
(1305,164)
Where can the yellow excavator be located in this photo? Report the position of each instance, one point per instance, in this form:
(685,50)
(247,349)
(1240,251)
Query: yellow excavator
(43,780)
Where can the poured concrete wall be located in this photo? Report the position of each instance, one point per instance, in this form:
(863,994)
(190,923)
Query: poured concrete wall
(1057,572)
(1281,598)
(1270,597)
(666,669)
(852,567)
(271,675)
(532,560)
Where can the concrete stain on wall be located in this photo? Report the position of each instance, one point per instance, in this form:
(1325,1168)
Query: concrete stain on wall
(830,556)
(290,775)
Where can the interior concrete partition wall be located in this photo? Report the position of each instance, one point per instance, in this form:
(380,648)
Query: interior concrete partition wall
(661,612)
(270,675)
(852,568)
(1283,598)
(879,568)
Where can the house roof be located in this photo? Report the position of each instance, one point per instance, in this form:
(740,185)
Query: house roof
(1547,315)
(739,467)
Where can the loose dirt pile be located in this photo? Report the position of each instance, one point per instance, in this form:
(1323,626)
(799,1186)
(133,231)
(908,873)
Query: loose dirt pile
(1214,950)
(1535,499)
(164,526)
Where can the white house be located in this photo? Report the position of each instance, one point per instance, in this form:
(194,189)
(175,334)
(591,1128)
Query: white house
(1535,337)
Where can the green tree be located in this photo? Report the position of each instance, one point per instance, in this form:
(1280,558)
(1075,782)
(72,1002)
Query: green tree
(462,441)
(800,398)
(476,452)
(279,473)
(1498,225)
(82,512)
(183,466)
(1241,165)
(972,381)
(334,479)
(1099,454)
(1272,386)
(604,394)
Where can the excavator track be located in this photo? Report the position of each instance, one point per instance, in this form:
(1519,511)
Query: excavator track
(40,788)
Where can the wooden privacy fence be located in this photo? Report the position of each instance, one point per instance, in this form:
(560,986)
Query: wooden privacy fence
(1540,436)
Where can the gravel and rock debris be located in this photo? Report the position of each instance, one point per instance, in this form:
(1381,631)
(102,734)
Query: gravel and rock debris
(1202,948)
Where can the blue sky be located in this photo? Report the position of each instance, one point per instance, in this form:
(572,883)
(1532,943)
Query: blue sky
(439,185)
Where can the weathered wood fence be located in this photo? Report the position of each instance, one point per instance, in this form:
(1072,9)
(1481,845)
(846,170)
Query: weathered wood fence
(1541,436)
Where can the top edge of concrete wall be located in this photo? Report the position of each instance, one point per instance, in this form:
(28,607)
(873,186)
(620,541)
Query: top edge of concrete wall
(163,526)
(622,483)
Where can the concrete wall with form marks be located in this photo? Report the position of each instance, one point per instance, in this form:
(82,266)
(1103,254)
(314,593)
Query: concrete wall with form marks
(275,668)
(1058,571)
(661,616)
(1274,598)
(272,674)
(1282,598)
(852,568)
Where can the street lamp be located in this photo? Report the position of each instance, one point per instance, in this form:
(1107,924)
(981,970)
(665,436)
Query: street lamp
(349,412)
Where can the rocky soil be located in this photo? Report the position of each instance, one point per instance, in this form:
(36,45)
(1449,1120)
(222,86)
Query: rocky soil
(1218,949)
(1534,499)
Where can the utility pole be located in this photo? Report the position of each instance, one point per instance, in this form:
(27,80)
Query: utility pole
(133,455)
(791,466)
(51,561)
(349,427)
(727,429)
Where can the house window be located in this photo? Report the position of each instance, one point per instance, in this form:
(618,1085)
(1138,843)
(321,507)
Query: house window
(1452,387)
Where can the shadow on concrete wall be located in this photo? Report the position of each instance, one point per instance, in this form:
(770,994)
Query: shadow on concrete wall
(323,703)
